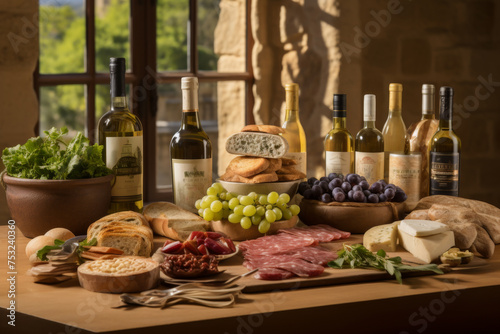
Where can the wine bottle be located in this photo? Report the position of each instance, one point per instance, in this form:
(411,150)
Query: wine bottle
(190,151)
(421,132)
(370,144)
(444,150)
(394,130)
(120,133)
(339,144)
(294,134)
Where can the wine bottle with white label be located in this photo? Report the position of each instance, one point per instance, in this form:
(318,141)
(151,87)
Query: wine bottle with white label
(190,151)
(339,144)
(120,132)
(370,144)
(295,135)
(444,151)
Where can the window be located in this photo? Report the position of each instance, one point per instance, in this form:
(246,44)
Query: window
(162,40)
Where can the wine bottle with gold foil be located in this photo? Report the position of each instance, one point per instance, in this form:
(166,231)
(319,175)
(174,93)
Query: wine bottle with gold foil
(120,132)
(421,132)
(369,153)
(444,151)
(339,144)
(294,134)
(394,130)
(190,151)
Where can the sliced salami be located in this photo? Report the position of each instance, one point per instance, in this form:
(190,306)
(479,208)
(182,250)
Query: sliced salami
(317,255)
(273,274)
(274,244)
(320,233)
(289,263)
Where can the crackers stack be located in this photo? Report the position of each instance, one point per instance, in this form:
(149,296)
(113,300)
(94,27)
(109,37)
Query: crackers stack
(261,152)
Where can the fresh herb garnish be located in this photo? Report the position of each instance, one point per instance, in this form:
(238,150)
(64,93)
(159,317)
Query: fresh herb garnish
(357,256)
(52,158)
(42,253)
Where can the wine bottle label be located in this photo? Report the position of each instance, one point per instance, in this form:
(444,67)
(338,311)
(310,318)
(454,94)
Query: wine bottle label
(338,162)
(191,178)
(405,172)
(370,165)
(301,158)
(444,173)
(124,157)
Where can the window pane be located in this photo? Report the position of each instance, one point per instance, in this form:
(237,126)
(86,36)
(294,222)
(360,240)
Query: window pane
(171,35)
(62,36)
(169,121)
(112,33)
(222,35)
(62,105)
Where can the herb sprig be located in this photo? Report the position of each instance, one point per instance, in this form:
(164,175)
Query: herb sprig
(357,256)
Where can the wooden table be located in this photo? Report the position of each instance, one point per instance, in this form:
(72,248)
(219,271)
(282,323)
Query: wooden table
(463,301)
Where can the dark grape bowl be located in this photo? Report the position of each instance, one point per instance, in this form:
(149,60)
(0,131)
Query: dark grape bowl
(350,203)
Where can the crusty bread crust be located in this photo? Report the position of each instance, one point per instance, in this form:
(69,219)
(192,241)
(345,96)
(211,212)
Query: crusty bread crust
(272,129)
(248,166)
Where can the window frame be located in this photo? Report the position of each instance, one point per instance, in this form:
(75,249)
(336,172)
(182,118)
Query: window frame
(144,78)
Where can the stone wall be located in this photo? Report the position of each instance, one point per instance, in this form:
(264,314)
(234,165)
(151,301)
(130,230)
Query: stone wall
(18,57)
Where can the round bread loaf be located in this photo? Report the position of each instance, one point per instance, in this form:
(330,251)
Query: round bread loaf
(119,275)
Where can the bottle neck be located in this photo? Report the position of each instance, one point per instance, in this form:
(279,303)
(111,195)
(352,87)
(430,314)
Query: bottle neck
(445,113)
(190,116)
(190,119)
(395,103)
(428,106)
(339,119)
(292,103)
(369,124)
(118,92)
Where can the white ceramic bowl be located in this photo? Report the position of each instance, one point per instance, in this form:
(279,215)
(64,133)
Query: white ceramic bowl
(239,188)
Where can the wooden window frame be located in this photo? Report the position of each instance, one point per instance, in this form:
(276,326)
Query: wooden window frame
(144,77)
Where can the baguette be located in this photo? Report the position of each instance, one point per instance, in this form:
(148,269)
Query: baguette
(257,144)
(171,221)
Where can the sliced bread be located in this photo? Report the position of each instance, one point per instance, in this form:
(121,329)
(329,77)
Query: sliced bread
(127,217)
(170,220)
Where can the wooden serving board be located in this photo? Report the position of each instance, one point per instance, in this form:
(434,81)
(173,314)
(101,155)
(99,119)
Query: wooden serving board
(234,266)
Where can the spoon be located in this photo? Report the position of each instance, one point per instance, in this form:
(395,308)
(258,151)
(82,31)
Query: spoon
(67,249)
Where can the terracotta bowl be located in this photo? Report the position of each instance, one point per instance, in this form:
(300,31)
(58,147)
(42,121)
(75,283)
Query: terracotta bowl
(40,205)
(289,187)
(349,216)
(237,233)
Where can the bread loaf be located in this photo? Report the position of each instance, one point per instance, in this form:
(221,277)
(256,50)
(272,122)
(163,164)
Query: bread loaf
(169,220)
(257,144)
(247,166)
(272,129)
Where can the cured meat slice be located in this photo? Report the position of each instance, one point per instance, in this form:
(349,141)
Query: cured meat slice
(320,233)
(274,244)
(273,274)
(289,263)
(317,255)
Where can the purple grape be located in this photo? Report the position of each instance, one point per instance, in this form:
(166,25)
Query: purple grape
(353,179)
(337,190)
(303,186)
(335,183)
(341,177)
(311,181)
(364,184)
(400,196)
(362,178)
(350,195)
(357,187)
(367,193)
(346,186)
(382,198)
(339,197)
(358,196)
(390,185)
(389,193)
(308,194)
(317,192)
(324,186)
(332,176)
(326,198)
(316,182)
(382,182)
(376,187)
(373,198)
(324,178)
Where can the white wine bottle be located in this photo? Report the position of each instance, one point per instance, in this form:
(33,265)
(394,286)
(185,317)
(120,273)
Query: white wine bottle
(394,130)
(444,151)
(120,132)
(190,152)
(339,144)
(421,132)
(294,134)
(370,144)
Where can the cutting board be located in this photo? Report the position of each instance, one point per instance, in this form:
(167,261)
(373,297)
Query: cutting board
(234,266)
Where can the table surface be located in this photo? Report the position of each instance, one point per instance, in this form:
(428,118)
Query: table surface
(455,302)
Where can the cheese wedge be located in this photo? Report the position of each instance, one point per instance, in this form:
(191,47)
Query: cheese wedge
(422,228)
(381,237)
(427,248)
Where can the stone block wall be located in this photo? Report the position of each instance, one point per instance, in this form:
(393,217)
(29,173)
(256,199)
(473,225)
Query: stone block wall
(18,57)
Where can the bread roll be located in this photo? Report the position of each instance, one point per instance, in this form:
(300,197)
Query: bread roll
(38,243)
(60,233)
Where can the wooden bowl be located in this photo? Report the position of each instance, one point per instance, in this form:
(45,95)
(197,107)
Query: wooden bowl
(239,188)
(349,216)
(40,205)
(237,233)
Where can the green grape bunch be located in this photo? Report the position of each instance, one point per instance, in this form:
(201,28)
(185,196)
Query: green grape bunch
(247,210)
